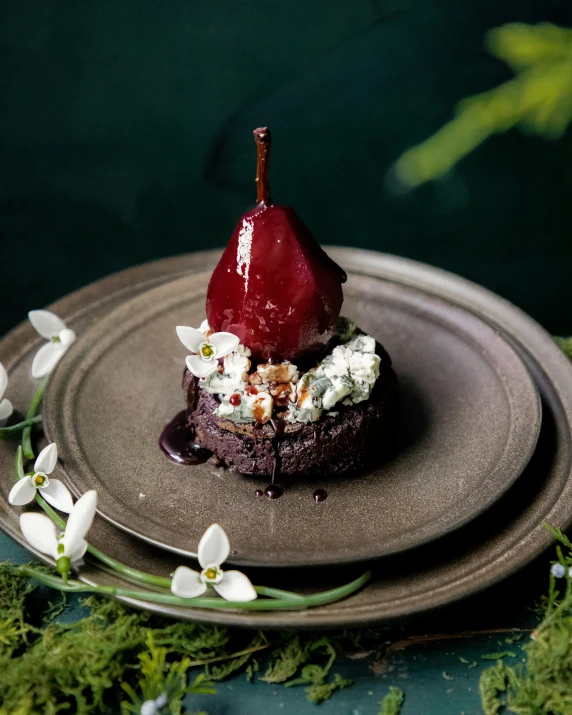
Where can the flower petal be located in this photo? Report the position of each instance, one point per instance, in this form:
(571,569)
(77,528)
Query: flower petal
(200,367)
(149,707)
(47,459)
(187,583)
(190,337)
(78,550)
(46,323)
(224,343)
(214,547)
(47,358)
(235,586)
(23,492)
(3,380)
(58,495)
(40,532)
(6,409)
(80,519)
(67,337)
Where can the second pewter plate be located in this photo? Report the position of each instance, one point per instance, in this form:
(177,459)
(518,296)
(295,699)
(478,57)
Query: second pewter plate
(470,420)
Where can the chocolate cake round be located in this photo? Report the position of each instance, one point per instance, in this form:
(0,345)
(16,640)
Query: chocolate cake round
(348,438)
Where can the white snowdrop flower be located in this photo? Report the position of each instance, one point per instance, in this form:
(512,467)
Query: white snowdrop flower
(54,492)
(65,548)
(6,408)
(60,337)
(161,700)
(214,549)
(206,351)
(149,707)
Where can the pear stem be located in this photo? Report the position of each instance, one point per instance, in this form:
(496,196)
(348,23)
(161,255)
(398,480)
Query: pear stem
(263,140)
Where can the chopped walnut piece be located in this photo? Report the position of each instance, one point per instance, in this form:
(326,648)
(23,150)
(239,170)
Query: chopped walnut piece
(281,392)
(255,379)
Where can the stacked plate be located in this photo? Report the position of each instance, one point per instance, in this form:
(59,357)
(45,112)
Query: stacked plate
(483,462)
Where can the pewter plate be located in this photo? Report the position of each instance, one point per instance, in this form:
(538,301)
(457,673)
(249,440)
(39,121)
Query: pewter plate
(491,547)
(470,421)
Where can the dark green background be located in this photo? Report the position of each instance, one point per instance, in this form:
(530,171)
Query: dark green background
(125,135)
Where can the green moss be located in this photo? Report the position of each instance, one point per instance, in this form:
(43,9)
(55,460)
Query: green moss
(77,667)
(543,684)
(115,657)
(158,677)
(565,344)
(15,629)
(392,702)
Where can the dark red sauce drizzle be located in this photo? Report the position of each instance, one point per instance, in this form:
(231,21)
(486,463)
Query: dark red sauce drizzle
(273,491)
(320,495)
(177,441)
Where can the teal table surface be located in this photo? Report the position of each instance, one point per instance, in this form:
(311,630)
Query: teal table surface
(429,670)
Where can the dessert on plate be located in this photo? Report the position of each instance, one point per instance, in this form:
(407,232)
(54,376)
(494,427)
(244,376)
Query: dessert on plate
(276,381)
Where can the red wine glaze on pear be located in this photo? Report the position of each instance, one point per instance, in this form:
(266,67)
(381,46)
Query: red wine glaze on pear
(274,287)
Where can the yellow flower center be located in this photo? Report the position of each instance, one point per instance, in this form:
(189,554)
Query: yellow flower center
(207,351)
(210,574)
(39,480)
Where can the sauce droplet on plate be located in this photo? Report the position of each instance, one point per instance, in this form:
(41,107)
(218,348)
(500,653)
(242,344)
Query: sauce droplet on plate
(177,441)
(273,491)
(320,495)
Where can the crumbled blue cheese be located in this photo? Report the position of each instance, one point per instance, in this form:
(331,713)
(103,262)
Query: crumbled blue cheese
(310,389)
(364,371)
(251,407)
(262,406)
(297,414)
(340,387)
(233,378)
(236,413)
(347,376)
(362,344)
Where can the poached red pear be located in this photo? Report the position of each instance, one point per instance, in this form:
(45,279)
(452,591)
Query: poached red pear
(274,287)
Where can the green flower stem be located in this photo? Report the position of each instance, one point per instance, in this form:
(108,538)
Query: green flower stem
(19,463)
(34,404)
(276,593)
(317,599)
(56,518)
(7,432)
(127,571)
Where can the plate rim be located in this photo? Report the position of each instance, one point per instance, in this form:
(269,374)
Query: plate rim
(127,317)
(534,343)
